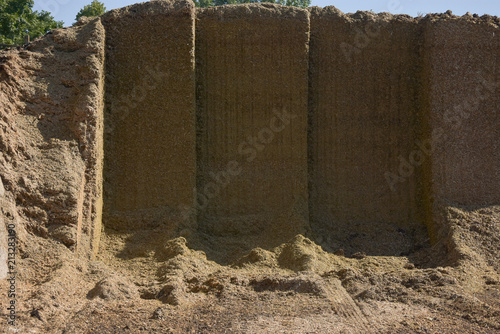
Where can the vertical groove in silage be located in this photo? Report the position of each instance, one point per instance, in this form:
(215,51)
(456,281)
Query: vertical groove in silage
(365,116)
(150,158)
(261,60)
(465,125)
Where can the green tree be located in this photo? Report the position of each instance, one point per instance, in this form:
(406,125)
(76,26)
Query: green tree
(96,8)
(209,3)
(17,19)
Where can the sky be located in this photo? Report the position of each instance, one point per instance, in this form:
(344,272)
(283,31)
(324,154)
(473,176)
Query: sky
(66,10)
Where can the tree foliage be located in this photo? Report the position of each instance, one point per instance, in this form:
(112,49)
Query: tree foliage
(210,3)
(96,8)
(17,19)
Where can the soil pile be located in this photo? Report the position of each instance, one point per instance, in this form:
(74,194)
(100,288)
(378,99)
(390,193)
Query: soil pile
(308,237)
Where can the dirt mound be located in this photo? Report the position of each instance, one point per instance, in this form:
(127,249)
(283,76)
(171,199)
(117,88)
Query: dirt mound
(114,288)
(305,236)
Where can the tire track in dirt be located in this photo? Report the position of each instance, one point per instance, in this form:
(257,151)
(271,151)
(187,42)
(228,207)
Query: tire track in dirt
(344,306)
